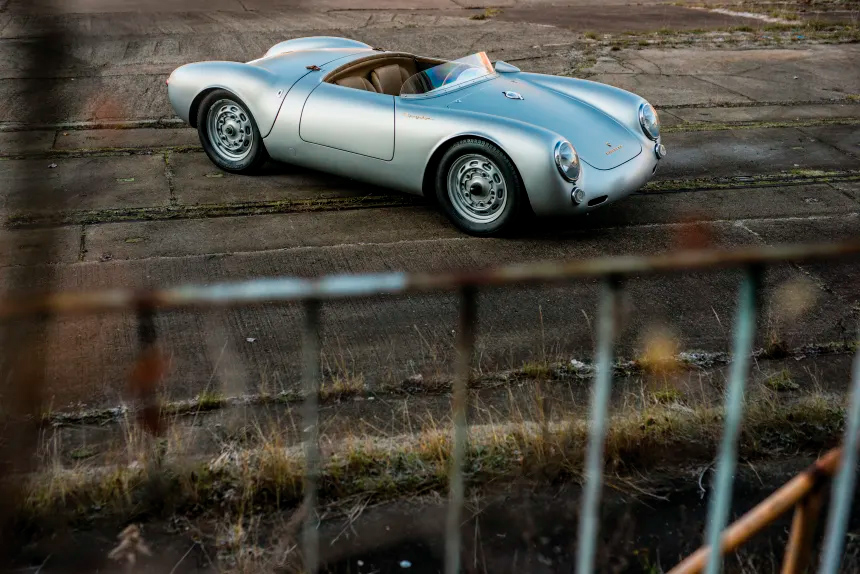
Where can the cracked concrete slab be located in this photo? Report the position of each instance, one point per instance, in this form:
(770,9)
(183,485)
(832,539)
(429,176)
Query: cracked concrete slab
(389,339)
(89,98)
(803,74)
(198,181)
(24,247)
(126,138)
(12,143)
(85,183)
(140,240)
(766,113)
(663,90)
(749,151)
(610,18)
(176,238)
(843,138)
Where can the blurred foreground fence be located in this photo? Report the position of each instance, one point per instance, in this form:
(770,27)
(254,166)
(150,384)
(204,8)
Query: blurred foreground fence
(805,493)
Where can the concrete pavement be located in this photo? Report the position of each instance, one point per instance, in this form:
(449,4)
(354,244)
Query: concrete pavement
(763,149)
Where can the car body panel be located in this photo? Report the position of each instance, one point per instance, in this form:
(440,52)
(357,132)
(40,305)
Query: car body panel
(557,111)
(340,118)
(261,84)
(393,141)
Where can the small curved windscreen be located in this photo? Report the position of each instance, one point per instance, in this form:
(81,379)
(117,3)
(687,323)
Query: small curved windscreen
(448,74)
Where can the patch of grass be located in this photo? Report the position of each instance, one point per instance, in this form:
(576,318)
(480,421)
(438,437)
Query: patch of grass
(342,387)
(591,35)
(666,396)
(486,14)
(643,42)
(536,370)
(781,382)
(270,474)
(210,400)
(83,452)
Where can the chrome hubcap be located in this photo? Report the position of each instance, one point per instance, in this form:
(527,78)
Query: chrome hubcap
(477,188)
(230,131)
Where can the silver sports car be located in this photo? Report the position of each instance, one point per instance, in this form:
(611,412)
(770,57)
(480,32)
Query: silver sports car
(488,142)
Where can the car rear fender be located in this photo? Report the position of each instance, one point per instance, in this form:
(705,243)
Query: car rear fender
(314,43)
(261,90)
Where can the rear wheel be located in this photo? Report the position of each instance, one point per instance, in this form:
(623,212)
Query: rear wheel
(229,134)
(478,188)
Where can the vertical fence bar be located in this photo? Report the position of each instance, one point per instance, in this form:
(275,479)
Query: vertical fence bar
(310,432)
(589,514)
(843,486)
(148,370)
(799,548)
(721,499)
(465,346)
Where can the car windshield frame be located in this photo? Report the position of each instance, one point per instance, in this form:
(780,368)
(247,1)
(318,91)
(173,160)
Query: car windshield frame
(448,76)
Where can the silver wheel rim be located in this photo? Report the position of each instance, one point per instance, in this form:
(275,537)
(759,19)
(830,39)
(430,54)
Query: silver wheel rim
(476,188)
(229,130)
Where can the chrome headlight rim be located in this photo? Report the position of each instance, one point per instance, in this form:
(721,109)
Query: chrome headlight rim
(572,171)
(654,132)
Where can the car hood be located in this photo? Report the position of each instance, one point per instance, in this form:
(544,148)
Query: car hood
(599,139)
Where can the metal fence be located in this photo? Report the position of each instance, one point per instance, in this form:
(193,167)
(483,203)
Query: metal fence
(805,492)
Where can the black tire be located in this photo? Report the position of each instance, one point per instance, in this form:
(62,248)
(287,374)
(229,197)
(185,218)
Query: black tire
(507,195)
(249,157)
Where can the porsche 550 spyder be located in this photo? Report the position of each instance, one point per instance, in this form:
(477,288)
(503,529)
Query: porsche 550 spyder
(488,142)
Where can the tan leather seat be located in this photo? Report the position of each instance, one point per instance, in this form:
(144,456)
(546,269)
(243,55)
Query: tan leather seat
(356,82)
(389,79)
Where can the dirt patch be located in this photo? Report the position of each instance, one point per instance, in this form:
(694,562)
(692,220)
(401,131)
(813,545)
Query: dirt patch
(515,529)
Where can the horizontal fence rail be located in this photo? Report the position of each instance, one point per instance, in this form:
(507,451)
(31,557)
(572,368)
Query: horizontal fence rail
(259,291)
(803,492)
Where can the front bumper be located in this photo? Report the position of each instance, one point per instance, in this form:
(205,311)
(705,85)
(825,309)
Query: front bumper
(601,187)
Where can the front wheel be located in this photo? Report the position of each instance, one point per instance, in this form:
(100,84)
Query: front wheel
(479,188)
(229,134)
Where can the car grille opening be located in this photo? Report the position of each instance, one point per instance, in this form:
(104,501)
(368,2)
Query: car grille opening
(597,200)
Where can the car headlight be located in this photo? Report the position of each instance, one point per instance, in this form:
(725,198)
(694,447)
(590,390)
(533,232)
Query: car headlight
(649,120)
(566,160)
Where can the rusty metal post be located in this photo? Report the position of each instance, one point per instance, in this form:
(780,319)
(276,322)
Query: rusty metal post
(310,426)
(148,371)
(465,347)
(589,518)
(799,548)
(846,479)
(774,506)
(721,500)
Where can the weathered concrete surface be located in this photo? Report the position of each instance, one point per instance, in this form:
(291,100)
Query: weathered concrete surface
(133,138)
(752,151)
(305,231)
(57,245)
(692,76)
(25,142)
(116,69)
(388,340)
(302,231)
(116,62)
(86,183)
(623,18)
(763,113)
(198,181)
(843,138)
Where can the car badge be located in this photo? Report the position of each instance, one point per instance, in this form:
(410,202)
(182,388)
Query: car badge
(513,95)
(608,144)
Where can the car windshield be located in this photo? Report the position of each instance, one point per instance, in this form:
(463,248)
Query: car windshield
(448,74)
